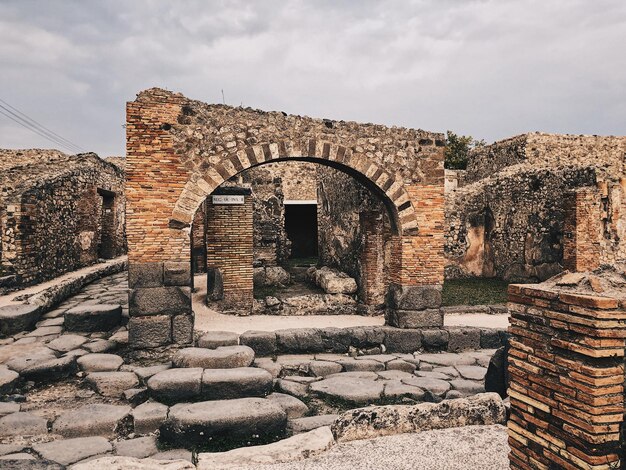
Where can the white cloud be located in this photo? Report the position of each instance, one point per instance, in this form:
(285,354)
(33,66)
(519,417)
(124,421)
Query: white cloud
(492,68)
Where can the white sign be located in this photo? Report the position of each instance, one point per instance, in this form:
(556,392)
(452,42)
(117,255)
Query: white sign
(223,199)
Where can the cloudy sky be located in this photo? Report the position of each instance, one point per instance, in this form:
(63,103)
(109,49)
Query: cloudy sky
(488,68)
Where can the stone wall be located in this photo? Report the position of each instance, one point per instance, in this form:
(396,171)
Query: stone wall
(605,153)
(58,213)
(510,226)
(354,226)
(507,217)
(566,369)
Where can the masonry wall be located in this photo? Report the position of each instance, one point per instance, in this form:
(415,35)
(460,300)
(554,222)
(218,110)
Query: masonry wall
(566,368)
(53,221)
(230,249)
(354,232)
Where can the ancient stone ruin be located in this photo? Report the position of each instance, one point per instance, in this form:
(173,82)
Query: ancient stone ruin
(58,213)
(238,217)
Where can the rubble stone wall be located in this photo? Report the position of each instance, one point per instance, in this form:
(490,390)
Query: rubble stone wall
(344,242)
(53,218)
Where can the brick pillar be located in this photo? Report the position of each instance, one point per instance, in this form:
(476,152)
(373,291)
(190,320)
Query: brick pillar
(582,229)
(372,258)
(417,263)
(229,235)
(566,368)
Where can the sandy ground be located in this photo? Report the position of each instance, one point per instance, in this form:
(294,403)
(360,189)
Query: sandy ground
(470,447)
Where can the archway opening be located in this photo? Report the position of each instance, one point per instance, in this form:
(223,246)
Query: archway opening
(292,238)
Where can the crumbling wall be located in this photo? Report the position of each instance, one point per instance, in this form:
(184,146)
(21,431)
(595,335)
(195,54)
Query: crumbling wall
(53,213)
(510,226)
(342,203)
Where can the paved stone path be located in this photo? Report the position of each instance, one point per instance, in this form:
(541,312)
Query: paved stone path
(82,387)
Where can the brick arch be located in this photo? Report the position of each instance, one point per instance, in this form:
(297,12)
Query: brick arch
(370,174)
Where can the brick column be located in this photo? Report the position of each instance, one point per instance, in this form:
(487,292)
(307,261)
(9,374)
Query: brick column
(566,367)
(582,229)
(372,258)
(229,235)
(417,263)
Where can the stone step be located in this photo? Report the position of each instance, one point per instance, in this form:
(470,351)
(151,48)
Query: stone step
(91,318)
(191,384)
(224,424)
(223,357)
(16,318)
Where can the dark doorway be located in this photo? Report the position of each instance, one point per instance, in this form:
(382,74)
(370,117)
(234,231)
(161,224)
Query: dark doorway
(106,248)
(301,227)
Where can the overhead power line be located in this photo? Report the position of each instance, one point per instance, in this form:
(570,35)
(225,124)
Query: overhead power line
(29,123)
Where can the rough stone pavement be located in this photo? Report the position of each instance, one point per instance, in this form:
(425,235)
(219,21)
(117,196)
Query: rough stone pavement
(470,447)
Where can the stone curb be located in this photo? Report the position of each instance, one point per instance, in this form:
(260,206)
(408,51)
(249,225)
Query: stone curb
(294,448)
(377,421)
(49,298)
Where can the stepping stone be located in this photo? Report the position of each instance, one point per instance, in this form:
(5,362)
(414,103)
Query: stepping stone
(16,318)
(8,380)
(467,387)
(22,424)
(173,454)
(299,425)
(69,451)
(92,420)
(50,370)
(11,448)
(399,364)
(293,388)
(99,362)
(65,343)
(396,389)
(6,408)
(144,373)
(272,367)
(472,372)
(355,365)
(176,384)
(149,417)
(324,368)
(45,331)
(112,384)
(447,359)
(224,357)
(394,375)
(222,384)
(244,420)
(119,462)
(91,318)
(140,447)
(215,339)
(290,405)
(100,346)
(287,450)
(27,355)
(431,374)
(349,389)
(435,386)
(263,342)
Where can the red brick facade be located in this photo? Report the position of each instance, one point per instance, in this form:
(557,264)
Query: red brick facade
(582,230)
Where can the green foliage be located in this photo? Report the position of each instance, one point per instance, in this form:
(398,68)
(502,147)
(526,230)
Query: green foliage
(474,291)
(457,150)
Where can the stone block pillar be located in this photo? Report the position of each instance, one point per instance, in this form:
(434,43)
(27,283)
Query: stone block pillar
(566,368)
(582,229)
(159,304)
(229,235)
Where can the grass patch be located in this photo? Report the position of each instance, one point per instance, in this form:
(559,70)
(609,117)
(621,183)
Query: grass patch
(474,292)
